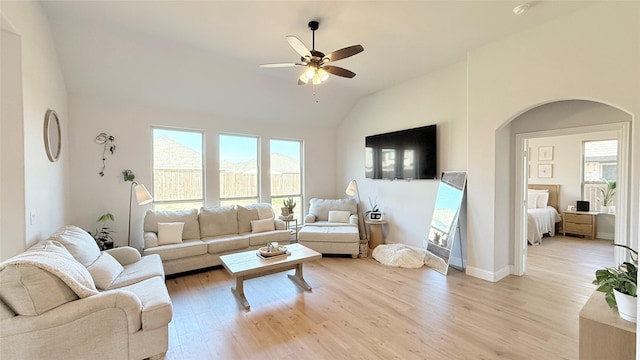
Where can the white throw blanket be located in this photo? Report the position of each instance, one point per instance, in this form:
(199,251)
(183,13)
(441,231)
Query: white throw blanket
(398,255)
(53,257)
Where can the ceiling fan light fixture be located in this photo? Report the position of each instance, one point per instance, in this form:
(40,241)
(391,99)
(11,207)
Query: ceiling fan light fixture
(304,78)
(310,72)
(323,75)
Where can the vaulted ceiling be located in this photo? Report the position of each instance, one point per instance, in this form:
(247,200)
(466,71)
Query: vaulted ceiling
(204,55)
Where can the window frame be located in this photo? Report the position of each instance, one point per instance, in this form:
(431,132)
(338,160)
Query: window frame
(163,203)
(240,199)
(594,205)
(300,195)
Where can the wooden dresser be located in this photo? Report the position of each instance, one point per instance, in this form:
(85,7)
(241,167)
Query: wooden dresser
(579,223)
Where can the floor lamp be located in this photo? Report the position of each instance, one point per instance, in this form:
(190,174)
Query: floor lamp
(352,189)
(143,197)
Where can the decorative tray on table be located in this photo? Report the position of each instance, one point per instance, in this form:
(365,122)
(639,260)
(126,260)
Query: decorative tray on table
(264,254)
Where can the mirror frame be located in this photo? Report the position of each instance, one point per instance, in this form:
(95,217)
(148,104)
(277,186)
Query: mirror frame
(51,119)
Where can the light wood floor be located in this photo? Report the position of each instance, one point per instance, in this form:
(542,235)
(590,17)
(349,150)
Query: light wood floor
(359,309)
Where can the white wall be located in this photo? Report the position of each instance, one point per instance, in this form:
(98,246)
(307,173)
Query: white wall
(438,98)
(131,123)
(43,87)
(592,54)
(569,58)
(12,221)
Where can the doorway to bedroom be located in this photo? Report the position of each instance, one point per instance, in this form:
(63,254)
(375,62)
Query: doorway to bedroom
(549,152)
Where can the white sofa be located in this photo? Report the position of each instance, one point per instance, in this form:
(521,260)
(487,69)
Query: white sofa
(331,227)
(65,299)
(210,233)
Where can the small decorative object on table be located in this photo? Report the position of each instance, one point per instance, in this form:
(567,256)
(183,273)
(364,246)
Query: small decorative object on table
(374,214)
(289,205)
(620,286)
(271,250)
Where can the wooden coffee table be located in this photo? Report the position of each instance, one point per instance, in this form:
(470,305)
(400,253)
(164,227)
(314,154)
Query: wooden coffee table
(247,265)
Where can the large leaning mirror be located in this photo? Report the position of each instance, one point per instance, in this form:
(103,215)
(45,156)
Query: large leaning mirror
(52,135)
(442,232)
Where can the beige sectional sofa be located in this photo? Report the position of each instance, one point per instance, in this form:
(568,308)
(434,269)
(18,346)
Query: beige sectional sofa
(209,233)
(65,299)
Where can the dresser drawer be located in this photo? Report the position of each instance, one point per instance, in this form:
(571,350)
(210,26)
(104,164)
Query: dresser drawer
(578,218)
(580,229)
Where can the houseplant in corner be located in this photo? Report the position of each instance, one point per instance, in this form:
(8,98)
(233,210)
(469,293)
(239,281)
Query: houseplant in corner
(620,286)
(103,236)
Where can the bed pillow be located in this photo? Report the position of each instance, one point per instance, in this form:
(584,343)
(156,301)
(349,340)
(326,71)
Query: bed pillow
(532,200)
(339,216)
(542,200)
(262,225)
(170,233)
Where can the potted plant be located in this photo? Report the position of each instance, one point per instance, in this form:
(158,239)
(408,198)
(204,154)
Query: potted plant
(103,236)
(608,194)
(289,205)
(620,285)
(374,213)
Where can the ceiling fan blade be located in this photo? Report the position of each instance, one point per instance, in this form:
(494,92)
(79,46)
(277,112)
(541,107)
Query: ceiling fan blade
(343,53)
(335,70)
(277,65)
(299,46)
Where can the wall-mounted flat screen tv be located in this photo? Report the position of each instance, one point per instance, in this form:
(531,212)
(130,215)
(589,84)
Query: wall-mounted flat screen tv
(404,154)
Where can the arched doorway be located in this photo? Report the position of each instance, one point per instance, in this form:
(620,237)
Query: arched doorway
(563,118)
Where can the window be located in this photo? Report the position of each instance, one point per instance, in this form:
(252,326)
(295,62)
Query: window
(286,174)
(239,170)
(177,169)
(600,161)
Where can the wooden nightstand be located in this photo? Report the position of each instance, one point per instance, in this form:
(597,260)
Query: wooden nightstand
(579,223)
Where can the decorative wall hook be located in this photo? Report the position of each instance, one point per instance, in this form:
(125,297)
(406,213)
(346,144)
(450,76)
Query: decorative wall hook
(109,146)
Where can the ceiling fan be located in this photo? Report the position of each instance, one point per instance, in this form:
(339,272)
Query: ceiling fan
(317,70)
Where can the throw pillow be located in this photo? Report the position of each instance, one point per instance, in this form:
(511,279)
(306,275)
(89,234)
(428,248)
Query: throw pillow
(105,270)
(170,233)
(542,200)
(339,216)
(79,243)
(262,225)
(532,200)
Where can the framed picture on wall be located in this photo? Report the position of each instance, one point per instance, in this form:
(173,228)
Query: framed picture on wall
(545,170)
(545,153)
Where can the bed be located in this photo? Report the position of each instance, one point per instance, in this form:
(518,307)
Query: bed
(543,216)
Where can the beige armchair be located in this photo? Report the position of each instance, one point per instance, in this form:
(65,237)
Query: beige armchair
(331,227)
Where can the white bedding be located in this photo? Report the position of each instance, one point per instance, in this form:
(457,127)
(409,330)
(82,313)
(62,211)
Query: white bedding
(541,221)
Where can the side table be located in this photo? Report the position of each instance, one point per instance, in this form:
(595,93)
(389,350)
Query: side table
(375,232)
(287,222)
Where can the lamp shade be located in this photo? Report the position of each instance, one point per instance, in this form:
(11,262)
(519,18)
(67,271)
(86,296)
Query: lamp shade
(142,195)
(351,188)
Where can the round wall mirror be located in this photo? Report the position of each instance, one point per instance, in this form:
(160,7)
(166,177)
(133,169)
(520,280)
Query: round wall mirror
(52,135)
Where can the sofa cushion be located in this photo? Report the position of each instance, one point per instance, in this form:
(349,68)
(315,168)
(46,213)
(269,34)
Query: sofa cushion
(261,239)
(217,221)
(80,244)
(170,233)
(156,303)
(341,234)
(227,243)
(339,216)
(245,216)
(321,207)
(147,267)
(177,251)
(191,228)
(263,225)
(105,270)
